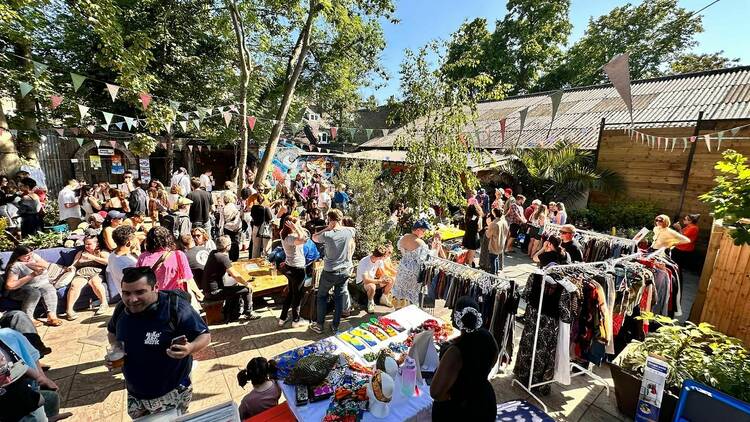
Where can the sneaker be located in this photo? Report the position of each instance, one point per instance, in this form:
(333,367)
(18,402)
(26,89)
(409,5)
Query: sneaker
(297,323)
(386,301)
(251,316)
(282,322)
(314,327)
(370,307)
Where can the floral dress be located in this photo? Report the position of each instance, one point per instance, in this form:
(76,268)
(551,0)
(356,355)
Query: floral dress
(407,279)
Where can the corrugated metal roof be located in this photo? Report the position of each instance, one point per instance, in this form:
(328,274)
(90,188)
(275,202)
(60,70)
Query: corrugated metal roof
(721,94)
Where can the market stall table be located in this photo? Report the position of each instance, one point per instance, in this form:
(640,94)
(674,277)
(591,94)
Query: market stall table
(416,408)
(260,275)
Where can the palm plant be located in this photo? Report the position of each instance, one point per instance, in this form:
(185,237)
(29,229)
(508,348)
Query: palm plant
(562,172)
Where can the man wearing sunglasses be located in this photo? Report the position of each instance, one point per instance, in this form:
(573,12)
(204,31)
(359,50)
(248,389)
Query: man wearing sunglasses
(158,333)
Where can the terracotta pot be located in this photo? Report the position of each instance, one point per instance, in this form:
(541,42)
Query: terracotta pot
(627,390)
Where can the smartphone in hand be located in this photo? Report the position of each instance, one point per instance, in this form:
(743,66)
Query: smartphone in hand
(181,340)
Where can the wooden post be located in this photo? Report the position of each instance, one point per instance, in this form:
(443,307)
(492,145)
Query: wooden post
(596,155)
(689,166)
(717,234)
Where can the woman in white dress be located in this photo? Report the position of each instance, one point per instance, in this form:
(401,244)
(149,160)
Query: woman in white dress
(414,252)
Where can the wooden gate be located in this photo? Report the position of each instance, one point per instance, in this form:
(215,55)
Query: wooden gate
(723,298)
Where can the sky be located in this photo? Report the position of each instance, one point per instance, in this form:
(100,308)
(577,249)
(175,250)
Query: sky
(725,27)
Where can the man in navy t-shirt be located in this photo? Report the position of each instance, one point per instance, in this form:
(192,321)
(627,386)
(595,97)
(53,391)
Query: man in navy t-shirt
(159,332)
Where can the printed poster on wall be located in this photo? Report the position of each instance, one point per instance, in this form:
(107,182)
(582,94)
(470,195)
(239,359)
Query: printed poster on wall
(117,167)
(96,162)
(145,166)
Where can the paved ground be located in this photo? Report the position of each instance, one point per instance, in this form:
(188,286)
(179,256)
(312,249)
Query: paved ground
(89,391)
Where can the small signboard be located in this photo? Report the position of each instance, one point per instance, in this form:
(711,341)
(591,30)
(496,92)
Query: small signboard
(106,151)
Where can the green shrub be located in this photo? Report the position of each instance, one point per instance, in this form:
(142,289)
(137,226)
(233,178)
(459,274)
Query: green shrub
(627,216)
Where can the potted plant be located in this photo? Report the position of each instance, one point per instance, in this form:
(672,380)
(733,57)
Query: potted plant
(691,351)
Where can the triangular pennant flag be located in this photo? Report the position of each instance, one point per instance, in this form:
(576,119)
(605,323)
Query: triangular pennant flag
(82,109)
(632,134)
(60,131)
(105,126)
(199,148)
(56,101)
(209,147)
(97,142)
(673,142)
(684,144)
(197,124)
(369,133)
(220,109)
(522,119)
(180,145)
(658,141)
(14,132)
(119,125)
(232,108)
(556,97)
(735,130)
(174,104)
(136,123)
(113,143)
(385,131)
(502,130)
(251,122)
(186,115)
(201,112)
(77,80)
(719,135)
(168,127)
(145,99)
(352,131)
(25,88)
(183,125)
(80,141)
(334,132)
(227,118)
(618,72)
(318,149)
(692,138)
(707,138)
(39,68)
(113,90)
(129,122)
(666,143)
(91,128)
(107,116)
(327,151)
(190,147)
(164,145)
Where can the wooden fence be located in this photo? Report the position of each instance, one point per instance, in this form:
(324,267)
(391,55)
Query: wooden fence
(723,298)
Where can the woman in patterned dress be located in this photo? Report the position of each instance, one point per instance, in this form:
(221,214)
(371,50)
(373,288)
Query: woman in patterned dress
(414,252)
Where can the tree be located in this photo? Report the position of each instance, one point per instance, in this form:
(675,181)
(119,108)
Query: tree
(654,32)
(692,62)
(341,38)
(730,198)
(560,173)
(436,110)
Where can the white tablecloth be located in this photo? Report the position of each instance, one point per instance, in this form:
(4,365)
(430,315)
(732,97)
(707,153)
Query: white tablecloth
(417,408)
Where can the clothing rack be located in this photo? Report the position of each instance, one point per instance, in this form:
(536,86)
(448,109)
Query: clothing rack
(587,371)
(556,228)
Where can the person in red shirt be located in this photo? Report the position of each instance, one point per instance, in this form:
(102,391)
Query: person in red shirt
(531,208)
(683,254)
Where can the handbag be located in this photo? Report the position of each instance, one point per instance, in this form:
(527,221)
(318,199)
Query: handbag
(265,231)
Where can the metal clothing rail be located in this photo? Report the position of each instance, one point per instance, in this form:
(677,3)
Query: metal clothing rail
(587,371)
(591,233)
(500,281)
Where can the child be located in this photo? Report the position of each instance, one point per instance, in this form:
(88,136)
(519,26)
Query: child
(265,394)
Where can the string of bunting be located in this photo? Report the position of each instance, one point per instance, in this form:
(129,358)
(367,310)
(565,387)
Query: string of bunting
(668,142)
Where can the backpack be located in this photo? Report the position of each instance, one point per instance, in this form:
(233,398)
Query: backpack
(311,252)
(174,297)
(137,201)
(172,223)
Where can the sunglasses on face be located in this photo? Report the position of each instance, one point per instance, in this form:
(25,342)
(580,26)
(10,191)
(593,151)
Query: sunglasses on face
(658,220)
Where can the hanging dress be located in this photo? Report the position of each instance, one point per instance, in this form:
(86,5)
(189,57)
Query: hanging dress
(407,278)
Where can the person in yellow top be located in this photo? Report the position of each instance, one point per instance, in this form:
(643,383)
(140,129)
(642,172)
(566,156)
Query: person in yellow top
(666,237)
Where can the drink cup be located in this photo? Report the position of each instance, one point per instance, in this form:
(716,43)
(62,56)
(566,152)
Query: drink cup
(116,357)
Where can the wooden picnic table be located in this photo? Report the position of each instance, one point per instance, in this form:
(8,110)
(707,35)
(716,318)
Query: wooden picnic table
(260,275)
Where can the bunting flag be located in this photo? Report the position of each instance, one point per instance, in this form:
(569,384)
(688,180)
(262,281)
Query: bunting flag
(693,138)
(334,131)
(113,90)
(119,125)
(227,118)
(202,112)
(720,136)
(658,141)
(127,145)
(251,122)
(231,108)
(673,142)
(168,127)
(352,131)
(735,131)
(145,99)
(107,117)
(522,119)
(105,126)
(183,125)
(60,132)
(618,72)
(113,143)
(556,97)
(199,148)
(97,142)
(684,144)
(77,81)
(129,122)
(318,149)
(502,130)
(707,138)
(190,147)
(56,100)
(385,132)
(80,141)
(82,109)
(25,88)
(197,123)
(180,146)
(369,133)
(186,115)
(174,104)
(164,145)
(39,68)
(209,148)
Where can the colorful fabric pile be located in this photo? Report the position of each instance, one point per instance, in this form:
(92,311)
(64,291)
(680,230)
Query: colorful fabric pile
(286,361)
(441,332)
(350,400)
